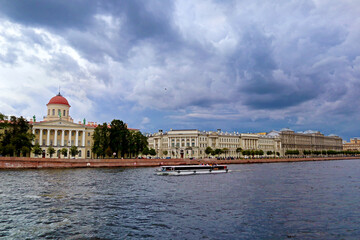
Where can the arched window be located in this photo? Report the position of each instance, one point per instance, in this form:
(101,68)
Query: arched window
(79,153)
(64,113)
(53,112)
(88,154)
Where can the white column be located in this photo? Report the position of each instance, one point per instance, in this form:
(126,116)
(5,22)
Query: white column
(55,137)
(41,135)
(62,137)
(69,138)
(48,137)
(77,138)
(33,132)
(83,139)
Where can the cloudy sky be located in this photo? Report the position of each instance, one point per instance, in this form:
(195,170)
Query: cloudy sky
(246,65)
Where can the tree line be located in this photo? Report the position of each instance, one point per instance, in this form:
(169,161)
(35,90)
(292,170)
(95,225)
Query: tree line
(248,152)
(15,136)
(116,140)
(322,152)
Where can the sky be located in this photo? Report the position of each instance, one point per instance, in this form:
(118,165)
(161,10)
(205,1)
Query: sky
(244,66)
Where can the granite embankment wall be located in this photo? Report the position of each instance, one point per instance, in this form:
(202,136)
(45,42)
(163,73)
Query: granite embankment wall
(23,162)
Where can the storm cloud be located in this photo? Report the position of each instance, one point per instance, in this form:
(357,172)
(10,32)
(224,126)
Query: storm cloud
(185,64)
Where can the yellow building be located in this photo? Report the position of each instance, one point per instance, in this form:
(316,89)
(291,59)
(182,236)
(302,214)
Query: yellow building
(353,145)
(59,131)
(192,143)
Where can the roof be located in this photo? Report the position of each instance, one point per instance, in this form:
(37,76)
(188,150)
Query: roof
(58,99)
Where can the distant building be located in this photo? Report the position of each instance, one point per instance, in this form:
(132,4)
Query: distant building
(353,145)
(192,143)
(308,140)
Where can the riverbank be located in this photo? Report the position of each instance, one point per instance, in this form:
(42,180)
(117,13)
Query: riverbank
(24,162)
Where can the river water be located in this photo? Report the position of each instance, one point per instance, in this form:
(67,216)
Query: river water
(305,200)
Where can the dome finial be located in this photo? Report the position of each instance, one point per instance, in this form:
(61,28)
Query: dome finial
(59,94)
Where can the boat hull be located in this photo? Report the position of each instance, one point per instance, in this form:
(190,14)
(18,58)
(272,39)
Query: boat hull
(190,172)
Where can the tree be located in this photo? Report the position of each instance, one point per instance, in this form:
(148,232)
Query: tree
(25,150)
(165,152)
(269,153)
(145,151)
(108,152)
(119,137)
(37,149)
(73,151)
(152,152)
(218,151)
(101,139)
(64,152)
(239,150)
(208,150)
(260,152)
(50,151)
(137,142)
(17,136)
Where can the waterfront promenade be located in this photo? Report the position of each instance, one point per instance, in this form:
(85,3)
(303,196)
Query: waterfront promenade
(25,162)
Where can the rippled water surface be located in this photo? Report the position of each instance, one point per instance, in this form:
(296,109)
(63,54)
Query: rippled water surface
(309,200)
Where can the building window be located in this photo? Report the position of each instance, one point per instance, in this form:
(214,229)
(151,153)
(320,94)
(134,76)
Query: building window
(48,111)
(65,133)
(58,133)
(79,153)
(53,112)
(88,134)
(88,143)
(88,153)
(59,112)
(64,113)
(72,133)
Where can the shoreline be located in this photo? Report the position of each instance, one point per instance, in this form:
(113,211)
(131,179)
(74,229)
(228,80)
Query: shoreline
(48,163)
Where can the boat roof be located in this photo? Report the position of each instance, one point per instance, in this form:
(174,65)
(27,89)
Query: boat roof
(195,165)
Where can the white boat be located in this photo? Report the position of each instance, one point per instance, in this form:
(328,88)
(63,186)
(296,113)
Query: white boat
(191,169)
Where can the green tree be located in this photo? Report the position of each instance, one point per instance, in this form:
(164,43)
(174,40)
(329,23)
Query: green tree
(119,137)
(64,152)
(37,149)
(73,151)
(17,136)
(165,153)
(208,150)
(137,142)
(101,139)
(260,152)
(152,152)
(239,150)
(269,153)
(108,152)
(50,151)
(145,151)
(218,151)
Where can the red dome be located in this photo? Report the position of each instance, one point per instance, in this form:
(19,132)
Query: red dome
(58,99)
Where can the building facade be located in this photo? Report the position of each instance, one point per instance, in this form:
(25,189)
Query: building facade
(353,145)
(308,140)
(193,143)
(59,131)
